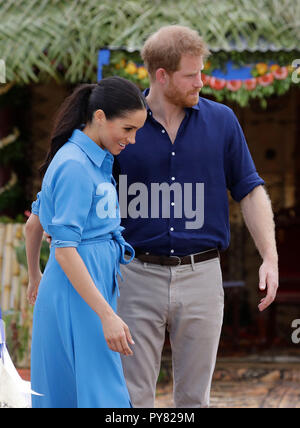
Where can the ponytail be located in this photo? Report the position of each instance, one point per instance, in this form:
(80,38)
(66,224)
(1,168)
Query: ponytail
(114,95)
(70,116)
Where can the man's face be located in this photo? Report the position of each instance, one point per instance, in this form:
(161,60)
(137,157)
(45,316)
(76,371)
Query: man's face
(183,86)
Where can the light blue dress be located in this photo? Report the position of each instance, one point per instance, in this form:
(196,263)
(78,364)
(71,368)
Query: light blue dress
(71,363)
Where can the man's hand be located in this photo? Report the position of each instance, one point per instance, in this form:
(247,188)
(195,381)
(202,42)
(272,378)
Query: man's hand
(258,215)
(268,279)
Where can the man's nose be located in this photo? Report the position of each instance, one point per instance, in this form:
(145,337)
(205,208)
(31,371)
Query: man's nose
(198,81)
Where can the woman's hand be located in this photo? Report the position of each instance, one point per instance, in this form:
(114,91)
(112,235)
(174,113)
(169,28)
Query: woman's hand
(33,286)
(117,334)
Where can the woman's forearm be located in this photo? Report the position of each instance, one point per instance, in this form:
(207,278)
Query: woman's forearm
(72,264)
(33,235)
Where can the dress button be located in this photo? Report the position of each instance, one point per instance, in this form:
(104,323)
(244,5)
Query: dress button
(172,203)
(172,229)
(173,178)
(163,131)
(173,153)
(172,251)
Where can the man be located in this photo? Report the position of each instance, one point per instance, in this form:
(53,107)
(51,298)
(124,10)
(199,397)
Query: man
(190,151)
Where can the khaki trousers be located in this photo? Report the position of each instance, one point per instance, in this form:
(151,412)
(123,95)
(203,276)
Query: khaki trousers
(187,300)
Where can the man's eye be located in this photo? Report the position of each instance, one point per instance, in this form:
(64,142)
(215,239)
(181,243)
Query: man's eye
(128,129)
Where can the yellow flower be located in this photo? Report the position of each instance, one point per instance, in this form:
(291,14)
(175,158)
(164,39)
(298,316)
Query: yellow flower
(121,64)
(207,65)
(142,73)
(262,68)
(131,68)
(274,67)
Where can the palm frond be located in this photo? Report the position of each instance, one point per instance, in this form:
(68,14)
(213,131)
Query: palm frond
(38,35)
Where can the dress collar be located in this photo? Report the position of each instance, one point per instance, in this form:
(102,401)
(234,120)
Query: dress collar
(93,151)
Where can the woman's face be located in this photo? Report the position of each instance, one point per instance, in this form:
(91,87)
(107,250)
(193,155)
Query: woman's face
(115,134)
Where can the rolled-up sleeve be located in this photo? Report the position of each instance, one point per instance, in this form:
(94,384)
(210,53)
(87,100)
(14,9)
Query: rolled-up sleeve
(35,206)
(72,193)
(241,174)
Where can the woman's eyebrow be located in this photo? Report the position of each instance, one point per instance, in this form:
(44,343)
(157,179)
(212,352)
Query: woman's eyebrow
(130,126)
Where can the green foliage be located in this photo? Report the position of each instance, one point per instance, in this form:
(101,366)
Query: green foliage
(13,155)
(44,255)
(120,60)
(13,201)
(60,39)
(18,325)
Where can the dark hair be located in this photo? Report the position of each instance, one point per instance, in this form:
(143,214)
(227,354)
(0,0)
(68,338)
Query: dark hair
(114,95)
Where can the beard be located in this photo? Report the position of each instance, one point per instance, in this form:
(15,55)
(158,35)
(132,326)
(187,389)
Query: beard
(182,99)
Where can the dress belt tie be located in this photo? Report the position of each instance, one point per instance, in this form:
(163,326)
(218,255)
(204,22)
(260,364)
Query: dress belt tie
(124,247)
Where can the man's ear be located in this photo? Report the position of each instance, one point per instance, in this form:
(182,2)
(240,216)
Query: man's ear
(161,76)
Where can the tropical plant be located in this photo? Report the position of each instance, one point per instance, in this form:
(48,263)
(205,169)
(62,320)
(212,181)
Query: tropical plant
(60,39)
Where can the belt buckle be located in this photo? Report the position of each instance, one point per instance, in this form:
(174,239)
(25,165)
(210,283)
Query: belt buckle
(178,258)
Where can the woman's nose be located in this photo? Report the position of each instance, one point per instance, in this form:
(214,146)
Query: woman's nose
(131,140)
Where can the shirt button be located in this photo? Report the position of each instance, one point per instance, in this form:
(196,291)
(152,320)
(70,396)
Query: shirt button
(172,251)
(173,178)
(163,131)
(172,229)
(173,153)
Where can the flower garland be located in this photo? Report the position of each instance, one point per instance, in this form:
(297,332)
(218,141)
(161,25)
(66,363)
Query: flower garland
(266,80)
(263,81)
(132,71)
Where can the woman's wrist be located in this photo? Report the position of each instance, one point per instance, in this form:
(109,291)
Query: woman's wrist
(34,273)
(105,312)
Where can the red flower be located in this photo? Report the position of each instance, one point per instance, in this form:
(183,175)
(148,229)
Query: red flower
(266,80)
(234,85)
(217,84)
(250,84)
(205,79)
(281,73)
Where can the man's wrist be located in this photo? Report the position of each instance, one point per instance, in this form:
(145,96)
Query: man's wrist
(271,257)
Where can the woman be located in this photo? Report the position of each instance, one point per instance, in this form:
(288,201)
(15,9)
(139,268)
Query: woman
(77,336)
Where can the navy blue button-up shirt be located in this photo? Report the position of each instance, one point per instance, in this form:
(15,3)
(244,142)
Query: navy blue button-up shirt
(173,197)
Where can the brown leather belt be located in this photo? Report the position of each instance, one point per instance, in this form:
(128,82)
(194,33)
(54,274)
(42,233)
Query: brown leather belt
(175,260)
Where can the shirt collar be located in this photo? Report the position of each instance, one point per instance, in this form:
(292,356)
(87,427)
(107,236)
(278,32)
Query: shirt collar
(195,107)
(93,151)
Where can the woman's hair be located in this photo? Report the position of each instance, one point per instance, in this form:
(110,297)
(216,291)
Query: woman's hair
(165,48)
(114,95)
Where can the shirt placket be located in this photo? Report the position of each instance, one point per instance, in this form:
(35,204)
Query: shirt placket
(172,180)
(171,177)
